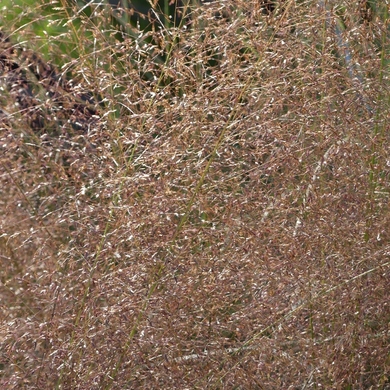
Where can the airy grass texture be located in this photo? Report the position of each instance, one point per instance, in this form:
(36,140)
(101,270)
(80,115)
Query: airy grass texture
(220,218)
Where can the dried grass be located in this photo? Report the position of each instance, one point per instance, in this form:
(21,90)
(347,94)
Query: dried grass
(221,220)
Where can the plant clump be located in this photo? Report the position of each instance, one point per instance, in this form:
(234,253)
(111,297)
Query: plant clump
(201,204)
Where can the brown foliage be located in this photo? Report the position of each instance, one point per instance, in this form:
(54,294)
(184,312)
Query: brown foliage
(219,220)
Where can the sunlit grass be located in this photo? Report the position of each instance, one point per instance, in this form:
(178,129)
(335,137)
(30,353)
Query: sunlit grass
(200,206)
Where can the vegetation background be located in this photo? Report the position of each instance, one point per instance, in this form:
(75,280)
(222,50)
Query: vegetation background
(195,196)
